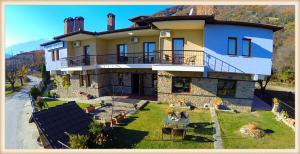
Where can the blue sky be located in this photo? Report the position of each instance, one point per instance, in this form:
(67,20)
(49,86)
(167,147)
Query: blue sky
(31,22)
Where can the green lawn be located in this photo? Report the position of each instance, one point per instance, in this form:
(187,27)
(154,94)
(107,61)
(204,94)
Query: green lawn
(143,130)
(278,135)
(51,103)
(18,87)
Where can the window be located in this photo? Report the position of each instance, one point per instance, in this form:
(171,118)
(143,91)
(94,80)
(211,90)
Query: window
(88,80)
(149,52)
(122,53)
(178,47)
(226,88)
(120,79)
(246,47)
(53,55)
(232,46)
(57,54)
(180,84)
(81,83)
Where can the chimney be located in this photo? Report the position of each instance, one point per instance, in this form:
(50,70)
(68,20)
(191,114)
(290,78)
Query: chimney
(78,24)
(110,22)
(68,25)
(205,10)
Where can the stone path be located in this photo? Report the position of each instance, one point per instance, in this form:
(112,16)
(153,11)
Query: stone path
(259,104)
(216,127)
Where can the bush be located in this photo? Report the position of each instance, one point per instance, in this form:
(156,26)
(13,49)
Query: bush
(77,141)
(39,103)
(35,92)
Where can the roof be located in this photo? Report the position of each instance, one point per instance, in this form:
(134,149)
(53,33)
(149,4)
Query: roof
(137,18)
(74,33)
(55,121)
(101,33)
(209,19)
(50,42)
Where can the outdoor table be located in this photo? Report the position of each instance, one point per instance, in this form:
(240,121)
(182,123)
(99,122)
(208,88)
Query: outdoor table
(176,122)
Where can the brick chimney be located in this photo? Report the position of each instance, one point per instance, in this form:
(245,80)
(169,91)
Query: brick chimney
(110,22)
(68,25)
(205,10)
(78,24)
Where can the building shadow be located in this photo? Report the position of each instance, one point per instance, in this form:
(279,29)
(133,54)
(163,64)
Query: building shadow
(127,138)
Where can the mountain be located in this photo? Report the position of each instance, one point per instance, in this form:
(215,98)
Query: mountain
(24,47)
(284,40)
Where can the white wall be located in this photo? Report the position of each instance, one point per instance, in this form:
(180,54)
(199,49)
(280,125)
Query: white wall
(54,65)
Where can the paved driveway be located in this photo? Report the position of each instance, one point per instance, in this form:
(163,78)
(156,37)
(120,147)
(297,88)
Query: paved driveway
(19,134)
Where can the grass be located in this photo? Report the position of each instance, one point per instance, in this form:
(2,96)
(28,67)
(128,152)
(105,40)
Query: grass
(18,87)
(51,103)
(143,130)
(278,135)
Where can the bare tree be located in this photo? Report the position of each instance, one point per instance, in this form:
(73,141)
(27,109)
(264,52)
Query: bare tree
(22,72)
(11,72)
(263,84)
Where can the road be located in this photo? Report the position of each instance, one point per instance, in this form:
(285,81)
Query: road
(19,133)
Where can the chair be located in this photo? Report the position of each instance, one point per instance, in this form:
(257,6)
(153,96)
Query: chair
(166,130)
(178,132)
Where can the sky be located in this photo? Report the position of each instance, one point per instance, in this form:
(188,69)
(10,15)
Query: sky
(25,23)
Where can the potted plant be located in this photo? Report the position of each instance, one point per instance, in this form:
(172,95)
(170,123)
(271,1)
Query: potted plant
(217,103)
(275,104)
(90,109)
(284,114)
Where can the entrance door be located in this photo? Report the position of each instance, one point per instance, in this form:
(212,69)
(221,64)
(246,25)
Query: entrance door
(178,47)
(137,84)
(86,56)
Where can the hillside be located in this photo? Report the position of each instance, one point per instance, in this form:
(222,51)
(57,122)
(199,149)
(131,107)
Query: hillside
(284,45)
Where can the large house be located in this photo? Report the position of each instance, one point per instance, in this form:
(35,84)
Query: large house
(196,58)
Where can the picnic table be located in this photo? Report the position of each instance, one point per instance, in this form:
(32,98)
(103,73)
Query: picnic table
(176,122)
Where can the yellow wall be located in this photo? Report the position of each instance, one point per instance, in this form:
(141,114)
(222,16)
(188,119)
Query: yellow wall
(193,40)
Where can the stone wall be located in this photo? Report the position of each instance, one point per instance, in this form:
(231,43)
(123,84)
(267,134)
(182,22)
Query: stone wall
(204,90)
(74,89)
(102,81)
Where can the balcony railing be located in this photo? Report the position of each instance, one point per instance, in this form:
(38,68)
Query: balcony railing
(182,57)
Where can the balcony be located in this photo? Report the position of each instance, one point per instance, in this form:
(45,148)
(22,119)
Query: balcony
(186,57)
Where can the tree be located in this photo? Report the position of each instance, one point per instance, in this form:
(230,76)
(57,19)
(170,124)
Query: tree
(11,72)
(263,84)
(22,72)
(45,74)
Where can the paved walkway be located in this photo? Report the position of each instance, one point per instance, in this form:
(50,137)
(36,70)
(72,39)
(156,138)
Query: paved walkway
(259,104)
(19,133)
(216,127)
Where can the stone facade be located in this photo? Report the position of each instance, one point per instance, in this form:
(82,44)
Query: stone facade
(204,90)
(102,81)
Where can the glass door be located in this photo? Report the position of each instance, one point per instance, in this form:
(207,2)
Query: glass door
(149,52)
(178,48)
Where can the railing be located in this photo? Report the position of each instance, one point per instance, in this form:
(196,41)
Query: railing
(216,64)
(182,57)
(177,57)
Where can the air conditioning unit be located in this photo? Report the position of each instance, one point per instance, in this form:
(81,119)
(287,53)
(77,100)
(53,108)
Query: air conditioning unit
(76,44)
(134,40)
(165,33)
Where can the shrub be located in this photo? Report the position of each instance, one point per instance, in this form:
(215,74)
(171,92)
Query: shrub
(39,103)
(35,92)
(77,141)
